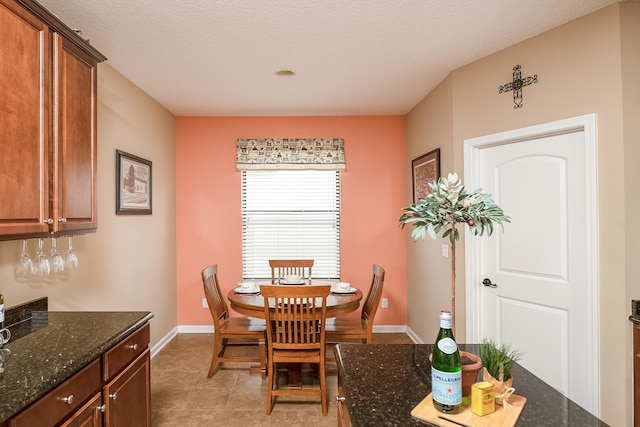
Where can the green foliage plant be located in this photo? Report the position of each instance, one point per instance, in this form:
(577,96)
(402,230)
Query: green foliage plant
(447,205)
(494,356)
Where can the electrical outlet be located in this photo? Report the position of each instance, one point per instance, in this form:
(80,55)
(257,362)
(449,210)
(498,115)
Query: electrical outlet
(385,302)
(204,303)
(445,251)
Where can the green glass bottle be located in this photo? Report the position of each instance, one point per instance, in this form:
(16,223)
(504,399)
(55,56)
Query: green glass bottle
(1,311)
(446,370)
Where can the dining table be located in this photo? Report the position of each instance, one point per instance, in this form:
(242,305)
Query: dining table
(338,303)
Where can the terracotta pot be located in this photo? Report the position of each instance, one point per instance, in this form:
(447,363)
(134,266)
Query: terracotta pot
(470,371)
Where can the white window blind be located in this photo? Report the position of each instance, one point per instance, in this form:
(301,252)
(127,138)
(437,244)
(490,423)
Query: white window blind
(290,214)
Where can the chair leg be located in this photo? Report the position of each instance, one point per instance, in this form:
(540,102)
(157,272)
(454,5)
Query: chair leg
(219,346)
(323,387)
(271,374)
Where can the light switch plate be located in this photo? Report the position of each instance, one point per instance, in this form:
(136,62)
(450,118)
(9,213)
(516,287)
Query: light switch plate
(445,250)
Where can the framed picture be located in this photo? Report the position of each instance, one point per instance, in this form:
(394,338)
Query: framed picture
(133,184)
(426,169)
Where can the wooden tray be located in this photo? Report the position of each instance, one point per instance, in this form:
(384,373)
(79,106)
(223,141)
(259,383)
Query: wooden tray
(500,418)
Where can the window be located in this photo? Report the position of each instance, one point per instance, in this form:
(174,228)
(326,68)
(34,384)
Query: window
(290,214)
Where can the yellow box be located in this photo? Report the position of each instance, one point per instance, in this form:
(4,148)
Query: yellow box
(482,398)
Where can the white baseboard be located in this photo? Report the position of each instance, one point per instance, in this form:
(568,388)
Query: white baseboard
(208,329)
(416,339)
(163,341)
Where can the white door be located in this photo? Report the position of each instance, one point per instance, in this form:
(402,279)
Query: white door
(544,302)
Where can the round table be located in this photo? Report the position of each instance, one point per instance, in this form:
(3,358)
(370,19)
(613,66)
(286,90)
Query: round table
(253,304)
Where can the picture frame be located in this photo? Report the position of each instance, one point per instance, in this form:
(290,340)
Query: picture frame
(133,184)
(425,169)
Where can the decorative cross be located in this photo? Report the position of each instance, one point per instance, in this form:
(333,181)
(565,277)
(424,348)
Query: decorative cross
(517,84)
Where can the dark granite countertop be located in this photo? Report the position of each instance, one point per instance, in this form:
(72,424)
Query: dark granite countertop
(57,345)
(384,382)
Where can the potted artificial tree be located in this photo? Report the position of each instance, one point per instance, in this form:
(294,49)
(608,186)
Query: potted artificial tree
(448,205)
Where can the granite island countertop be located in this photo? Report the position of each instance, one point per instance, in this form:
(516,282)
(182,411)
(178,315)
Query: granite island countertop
(383,382)
(57,345)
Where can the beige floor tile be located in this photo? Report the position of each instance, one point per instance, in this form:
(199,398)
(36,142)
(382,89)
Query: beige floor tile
(182,395)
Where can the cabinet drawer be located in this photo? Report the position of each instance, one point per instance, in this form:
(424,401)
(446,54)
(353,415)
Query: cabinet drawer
(127,350)
(62,400)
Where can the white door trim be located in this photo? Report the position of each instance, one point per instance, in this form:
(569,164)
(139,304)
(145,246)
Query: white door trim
(472,147)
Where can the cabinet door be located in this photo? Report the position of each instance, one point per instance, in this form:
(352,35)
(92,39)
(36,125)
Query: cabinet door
(24,121)
(75,157)
(127,396)
(90,415)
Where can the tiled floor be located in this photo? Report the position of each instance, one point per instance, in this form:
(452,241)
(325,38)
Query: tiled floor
(182,395)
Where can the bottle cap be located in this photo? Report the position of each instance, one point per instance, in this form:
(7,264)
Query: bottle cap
(445,314)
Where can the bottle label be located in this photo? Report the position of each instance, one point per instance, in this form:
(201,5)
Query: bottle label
(1,313)
(446,387)
(447,345)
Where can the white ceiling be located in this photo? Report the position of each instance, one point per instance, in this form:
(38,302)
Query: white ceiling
(351,57)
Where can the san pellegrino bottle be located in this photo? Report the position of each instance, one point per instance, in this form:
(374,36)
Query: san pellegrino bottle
(446,371)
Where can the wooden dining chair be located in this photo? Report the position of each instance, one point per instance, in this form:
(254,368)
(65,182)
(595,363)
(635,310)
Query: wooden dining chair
(296,317)
(280,268)
(244,330)
(345,329)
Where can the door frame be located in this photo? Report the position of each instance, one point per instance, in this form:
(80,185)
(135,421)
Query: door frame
(472,147)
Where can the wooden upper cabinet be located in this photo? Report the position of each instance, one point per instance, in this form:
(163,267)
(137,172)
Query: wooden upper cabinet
(48,147)
(74,183)
(24,121)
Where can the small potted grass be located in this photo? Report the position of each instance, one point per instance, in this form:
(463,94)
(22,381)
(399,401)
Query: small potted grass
(497,361)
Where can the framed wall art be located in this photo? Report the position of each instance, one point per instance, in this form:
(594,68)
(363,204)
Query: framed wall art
(426,169)
(133,185)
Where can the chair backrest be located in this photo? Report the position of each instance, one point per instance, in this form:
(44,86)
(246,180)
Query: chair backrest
(280,268)
(372,301)
(297,316)
(217,304)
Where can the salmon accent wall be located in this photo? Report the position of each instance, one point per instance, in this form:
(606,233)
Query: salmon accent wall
(208,225)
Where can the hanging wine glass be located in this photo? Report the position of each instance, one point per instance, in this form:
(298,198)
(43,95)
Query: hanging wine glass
(41,266)
(56,261)
(70,258)
(24,267)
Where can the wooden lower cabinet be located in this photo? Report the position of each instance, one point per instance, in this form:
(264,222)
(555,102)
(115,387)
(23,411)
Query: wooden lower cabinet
(90,415)
(128,395)
(113,390)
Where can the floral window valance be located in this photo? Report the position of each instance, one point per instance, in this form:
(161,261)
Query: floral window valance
(290,153)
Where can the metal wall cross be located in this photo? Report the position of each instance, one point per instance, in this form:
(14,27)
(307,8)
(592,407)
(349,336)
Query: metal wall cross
(517,84)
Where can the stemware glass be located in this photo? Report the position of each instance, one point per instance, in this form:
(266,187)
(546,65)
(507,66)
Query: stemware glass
(41,266)
(56,261)
(24,267)
(70,258)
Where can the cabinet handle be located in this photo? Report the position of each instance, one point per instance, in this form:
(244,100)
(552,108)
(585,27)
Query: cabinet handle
(48,221)
(68,400)
(102,408)
(62,220)
(133,346)
(340,399)
(113,395)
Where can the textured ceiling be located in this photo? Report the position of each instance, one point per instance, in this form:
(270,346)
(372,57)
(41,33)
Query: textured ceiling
(351,57)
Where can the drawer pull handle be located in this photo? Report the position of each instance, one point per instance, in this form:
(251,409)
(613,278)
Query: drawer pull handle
(133,346)
(68,400)
(340,399)
(113,395)
(102,408)
(62,220)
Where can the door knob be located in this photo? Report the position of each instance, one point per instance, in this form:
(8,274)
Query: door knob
(487,283)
